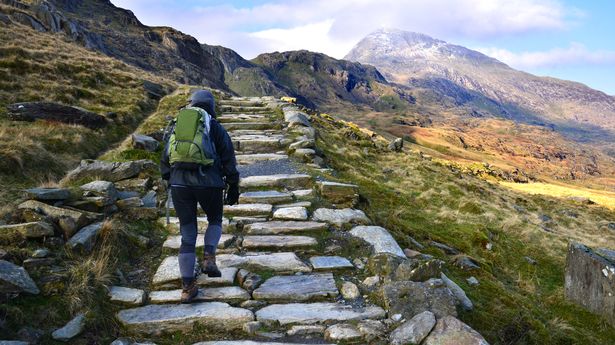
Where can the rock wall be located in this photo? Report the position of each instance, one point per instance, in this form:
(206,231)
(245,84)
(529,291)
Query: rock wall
(590,280)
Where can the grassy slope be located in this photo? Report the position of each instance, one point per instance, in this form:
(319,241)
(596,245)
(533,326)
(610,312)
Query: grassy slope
(516,302)
(38,66)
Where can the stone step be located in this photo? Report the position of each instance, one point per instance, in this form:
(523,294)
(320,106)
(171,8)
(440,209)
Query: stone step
(277,262)
(174,241)
(325,263)
(259,157)
(258,143)
(278,242)
(291,213)
(302,288)
(231,126)
(226,118)
(340,217)
(243,109)
(227,294)
(154,319)
(313,313)
(248,210)
(265,133)
(241,102)
(173,226)
(290,181)
(268,197)
(168,273)
(247,342)
(281,227)
(379,238)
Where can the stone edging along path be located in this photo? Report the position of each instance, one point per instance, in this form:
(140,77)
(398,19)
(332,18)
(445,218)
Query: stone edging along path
(300,264)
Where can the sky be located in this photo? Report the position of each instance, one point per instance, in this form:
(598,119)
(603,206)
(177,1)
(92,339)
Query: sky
(568,39)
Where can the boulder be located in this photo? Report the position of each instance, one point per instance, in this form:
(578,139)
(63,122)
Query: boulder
(414,330)
(15,279)
(71,329)
(350,291)
(340,194)
(410,298)
(458,292)
(296,118)
(396,145)
(342,332)
(103,189)
(83,241)
(449,330)
(49,111)
(590,281)
(144,142)
(29,230)
(109,171)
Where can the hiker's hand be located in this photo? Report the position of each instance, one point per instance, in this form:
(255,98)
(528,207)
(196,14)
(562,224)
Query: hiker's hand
(232,195)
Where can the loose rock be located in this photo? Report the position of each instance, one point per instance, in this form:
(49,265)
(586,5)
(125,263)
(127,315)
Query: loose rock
(15,279)
(449,330)
(73,328)
(414,330)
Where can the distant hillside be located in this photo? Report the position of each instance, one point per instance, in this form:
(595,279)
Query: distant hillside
(473,78)
(99,25)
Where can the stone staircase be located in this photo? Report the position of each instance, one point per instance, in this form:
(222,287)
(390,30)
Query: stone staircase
(275,272)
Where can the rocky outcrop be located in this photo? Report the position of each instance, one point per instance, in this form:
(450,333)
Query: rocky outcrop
(590,281)
(48,111)
(109,171)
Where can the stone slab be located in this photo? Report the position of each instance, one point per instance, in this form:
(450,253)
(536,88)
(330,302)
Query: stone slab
(85,238)
(283,227)
(312,313)
(379,238)
(297,288)
(248,210)
(15,279)
(340,217)
(273,241)
(228,294)
(157,318)
(320,263)
(259,157)
(291,181)
(291,213)
(278,262)
(265,197)
(174,241)
(126,295)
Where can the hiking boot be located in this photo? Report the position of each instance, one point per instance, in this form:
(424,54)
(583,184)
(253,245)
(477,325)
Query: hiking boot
(189,292)
(209,267)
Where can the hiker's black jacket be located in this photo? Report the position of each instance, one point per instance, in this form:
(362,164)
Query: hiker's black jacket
(225,164)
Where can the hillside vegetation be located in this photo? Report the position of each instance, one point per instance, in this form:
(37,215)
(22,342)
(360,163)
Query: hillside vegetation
(38,66)
(517,302)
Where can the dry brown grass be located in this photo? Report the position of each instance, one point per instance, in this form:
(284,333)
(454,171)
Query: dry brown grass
(92,275)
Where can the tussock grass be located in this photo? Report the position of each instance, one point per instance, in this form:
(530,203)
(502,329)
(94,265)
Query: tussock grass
(516,302)
(38,66)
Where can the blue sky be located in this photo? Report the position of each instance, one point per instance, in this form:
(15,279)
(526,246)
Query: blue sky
(568,39)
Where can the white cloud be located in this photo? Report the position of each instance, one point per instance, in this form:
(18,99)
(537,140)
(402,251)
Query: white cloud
(575,55)
(332,27)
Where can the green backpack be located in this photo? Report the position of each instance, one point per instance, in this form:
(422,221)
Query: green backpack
(190,145)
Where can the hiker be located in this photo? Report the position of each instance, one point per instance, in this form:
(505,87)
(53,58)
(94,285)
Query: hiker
(199,164)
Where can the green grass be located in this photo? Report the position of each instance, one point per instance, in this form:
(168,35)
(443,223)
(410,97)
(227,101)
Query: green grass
(516,303)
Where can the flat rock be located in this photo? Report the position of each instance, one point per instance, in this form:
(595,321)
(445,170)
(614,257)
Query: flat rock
(379,238)
(48,193)
(341,194)
(295,181)
(291,213)
(266,197)
(202,224)
(283,227)
(228,294)
(101,188)
(259,157)
(304,204)
(13,342)
(272,241)
(126,295)
(29,230)
(168,272)
(297,288)
(450,330)
(71,329)
(227,278)
(278,262)
(414,330)
(15,279)
(339,217)
(109,171)
(85,238)
(311,313)
(342,332)
(248,210)
(174,241)
(303,194)
(306,330)
(458,292)
(246,342)
(78,217)
(158,318)
(230,126)
(320,263)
